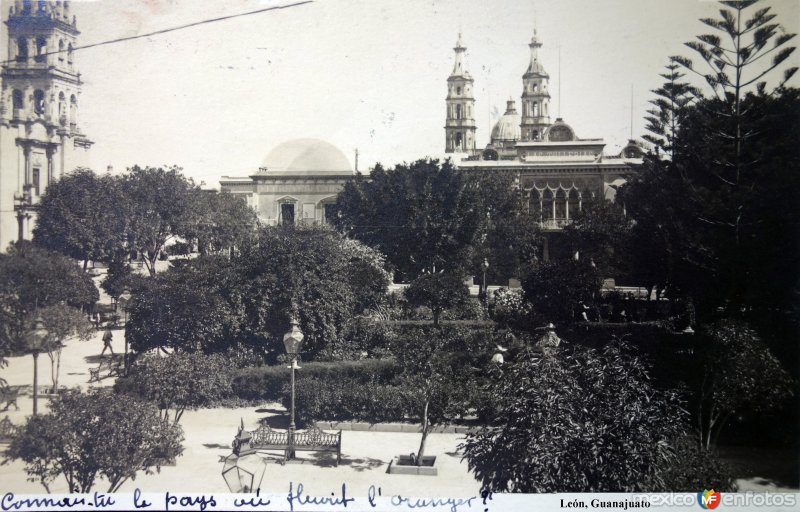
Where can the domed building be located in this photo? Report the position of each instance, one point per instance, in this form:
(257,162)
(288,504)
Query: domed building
(555,169)
(296,183)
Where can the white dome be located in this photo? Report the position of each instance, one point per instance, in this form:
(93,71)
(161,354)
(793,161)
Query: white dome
(305,155)
(507,127)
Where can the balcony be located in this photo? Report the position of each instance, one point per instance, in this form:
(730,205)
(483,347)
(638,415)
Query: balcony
(554,224)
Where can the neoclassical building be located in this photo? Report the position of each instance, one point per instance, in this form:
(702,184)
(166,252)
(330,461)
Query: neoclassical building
(552,166)
(40,139)
(296,184)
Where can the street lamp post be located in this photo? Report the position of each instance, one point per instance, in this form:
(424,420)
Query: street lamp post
(292,341)
(36,339)
(123,301)
(485,268)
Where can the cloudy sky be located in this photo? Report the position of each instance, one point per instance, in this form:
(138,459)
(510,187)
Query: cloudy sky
(366,74)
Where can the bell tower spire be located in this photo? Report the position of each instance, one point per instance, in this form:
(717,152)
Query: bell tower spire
(535,96)
(460,126)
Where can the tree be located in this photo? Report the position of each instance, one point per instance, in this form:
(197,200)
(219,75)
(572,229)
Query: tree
(62,322)
(194,307)
(747,43)
(313,273)
(225,222)
(734,165)
(178,382)
(739,375)
(439,291)
(32,278)
(580,420)
(161,204)
(600,233)
(671,104)
(422,216)
(433,382)
(508,235)
(82,216)
(556,288)
(92,435)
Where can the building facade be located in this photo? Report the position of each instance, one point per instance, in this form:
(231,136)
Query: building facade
(40,139)
(297,183)
(555,169)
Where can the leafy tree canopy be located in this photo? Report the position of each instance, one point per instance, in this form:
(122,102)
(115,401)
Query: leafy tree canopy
(99,434)
(82,215)
(32,278)
(556,289)
(438,291)
(421,215)
(178,382)
(577,421)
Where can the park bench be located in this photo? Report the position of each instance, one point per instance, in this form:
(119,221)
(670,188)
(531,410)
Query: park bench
(7,431)
(266,438)
(110,367)
(9,396)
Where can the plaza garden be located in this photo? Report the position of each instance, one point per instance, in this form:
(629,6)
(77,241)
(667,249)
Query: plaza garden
(235,345)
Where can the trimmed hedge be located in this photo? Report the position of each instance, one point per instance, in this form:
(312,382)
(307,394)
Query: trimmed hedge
(346,400)
(266,382)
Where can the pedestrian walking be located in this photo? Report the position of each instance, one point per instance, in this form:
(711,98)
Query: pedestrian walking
(107,337)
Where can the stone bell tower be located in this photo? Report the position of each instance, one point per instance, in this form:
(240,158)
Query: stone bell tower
(459,128)
(535,96)
(40,139)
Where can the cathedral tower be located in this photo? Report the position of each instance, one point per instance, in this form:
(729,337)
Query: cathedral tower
(460,126)
(39,135)
(535,97)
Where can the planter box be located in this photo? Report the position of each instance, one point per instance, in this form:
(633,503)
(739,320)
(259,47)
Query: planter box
(402,465)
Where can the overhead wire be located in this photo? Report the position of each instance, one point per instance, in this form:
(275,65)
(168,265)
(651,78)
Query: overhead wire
(167,30)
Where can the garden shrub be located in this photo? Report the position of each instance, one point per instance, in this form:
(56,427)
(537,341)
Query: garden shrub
(508,307)
(695,469)
(345,400)
(266,382)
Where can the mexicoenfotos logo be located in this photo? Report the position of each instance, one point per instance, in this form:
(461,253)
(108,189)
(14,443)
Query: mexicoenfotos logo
(708,498)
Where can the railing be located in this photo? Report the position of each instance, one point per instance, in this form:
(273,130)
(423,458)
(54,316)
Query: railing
(554,223)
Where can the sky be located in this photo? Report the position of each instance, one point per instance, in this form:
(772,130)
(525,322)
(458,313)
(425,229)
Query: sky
(366,74)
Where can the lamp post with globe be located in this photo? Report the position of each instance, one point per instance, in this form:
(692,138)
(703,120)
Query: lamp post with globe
(123,301)
(36,340)
(292,341)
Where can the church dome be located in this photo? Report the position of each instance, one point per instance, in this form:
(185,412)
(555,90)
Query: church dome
(306,155)
(507,127)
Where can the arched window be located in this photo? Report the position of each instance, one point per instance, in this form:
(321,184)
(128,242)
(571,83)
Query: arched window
(62,109)
(69,54)
(458,90)
(17,99)
(573,204)
(22,49)
(73,110)
(535,135)
(561,204)
(41,49)
(535,202)
(61,50)
(547,204)
(458,111)
(535,109)
(26,6)
(459,140)
(38,102)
